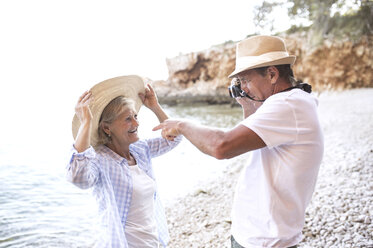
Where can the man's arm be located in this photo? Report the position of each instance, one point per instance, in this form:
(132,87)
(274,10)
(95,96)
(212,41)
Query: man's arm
(212,141)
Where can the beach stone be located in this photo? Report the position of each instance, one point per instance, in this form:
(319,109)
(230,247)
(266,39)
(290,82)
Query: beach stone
(343,218)
(360,218)
(341,211)
(339,229)
(367,220)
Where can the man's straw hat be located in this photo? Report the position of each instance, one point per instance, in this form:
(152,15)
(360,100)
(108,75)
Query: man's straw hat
(260,51)
(104,92)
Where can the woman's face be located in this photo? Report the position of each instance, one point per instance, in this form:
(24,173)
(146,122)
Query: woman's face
(123,130)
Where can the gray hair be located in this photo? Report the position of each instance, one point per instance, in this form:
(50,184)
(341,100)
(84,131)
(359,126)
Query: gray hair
(110,113)
(285,71)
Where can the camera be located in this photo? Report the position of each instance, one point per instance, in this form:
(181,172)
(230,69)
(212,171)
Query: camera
(235,89)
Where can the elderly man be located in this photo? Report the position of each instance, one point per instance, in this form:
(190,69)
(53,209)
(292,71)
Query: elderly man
(281,129)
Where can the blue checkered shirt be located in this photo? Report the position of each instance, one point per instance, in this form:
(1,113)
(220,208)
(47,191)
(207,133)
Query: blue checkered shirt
(109,176)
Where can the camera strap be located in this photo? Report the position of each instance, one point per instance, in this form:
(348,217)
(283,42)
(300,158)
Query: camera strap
(303,86)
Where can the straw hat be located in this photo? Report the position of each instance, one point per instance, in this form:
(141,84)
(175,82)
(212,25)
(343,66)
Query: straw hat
(104,92)
(260,51)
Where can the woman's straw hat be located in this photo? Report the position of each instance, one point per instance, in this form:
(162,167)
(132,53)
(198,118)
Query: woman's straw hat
(260,51)
(104,92)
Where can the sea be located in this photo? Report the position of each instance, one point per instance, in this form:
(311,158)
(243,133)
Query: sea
(40,208)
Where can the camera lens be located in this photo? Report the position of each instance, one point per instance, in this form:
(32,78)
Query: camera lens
(235,89)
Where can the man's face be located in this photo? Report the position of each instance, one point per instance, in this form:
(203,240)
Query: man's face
(254,84)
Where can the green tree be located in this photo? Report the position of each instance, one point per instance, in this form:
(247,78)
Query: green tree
(262,18)
(343,21)
(333,18)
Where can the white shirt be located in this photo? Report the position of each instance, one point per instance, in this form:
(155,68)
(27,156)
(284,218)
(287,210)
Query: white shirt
(141,231)
(276,185)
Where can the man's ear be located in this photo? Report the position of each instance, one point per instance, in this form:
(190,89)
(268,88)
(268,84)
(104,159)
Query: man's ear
(273,74)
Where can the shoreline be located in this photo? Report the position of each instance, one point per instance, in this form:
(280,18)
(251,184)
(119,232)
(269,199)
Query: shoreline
(340,213)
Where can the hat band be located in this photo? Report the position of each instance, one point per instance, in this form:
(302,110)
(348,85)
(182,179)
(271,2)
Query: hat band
(256,60)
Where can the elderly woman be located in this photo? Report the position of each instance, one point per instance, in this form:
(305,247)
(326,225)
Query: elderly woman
(109,157)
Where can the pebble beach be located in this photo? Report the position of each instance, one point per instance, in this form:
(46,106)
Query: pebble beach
(341,210)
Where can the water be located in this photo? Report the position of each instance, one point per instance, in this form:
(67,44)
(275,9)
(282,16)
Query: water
(39,208)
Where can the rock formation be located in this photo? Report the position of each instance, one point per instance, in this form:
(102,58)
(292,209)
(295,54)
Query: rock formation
(202,76)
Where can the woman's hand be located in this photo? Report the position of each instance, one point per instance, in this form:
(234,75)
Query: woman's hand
(149,99)
(82,110)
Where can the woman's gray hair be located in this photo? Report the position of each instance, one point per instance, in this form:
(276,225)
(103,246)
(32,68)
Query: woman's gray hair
(110,113)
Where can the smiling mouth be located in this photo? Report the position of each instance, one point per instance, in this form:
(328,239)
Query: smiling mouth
(133,131)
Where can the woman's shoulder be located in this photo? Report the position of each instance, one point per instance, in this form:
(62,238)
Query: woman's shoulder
(103,151)
(140,145)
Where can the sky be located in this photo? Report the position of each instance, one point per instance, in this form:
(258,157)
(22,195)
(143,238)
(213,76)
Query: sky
(51,51)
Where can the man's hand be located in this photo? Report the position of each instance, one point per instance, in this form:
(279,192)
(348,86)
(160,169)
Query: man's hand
(249,106)
(170,128)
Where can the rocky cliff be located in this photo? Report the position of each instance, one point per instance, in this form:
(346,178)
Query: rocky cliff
(202,76)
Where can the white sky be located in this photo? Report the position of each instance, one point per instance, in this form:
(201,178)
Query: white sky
(51,51)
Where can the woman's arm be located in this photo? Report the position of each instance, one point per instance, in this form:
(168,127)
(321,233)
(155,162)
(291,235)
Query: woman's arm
(150,100)
(158,146)
(84,114)
(159,112)
(81,170)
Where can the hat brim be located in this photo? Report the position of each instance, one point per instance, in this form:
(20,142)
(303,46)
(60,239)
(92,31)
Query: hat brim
(103,93)
(282,61)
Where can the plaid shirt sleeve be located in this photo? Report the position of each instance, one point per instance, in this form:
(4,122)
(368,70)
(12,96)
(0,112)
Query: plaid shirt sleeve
(159,146)
(82,170)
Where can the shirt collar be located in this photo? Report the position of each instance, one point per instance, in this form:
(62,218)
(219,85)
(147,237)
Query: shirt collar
(121,160)
(115,156)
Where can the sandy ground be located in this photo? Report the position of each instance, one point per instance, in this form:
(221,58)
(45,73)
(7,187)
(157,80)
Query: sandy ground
(341,211)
